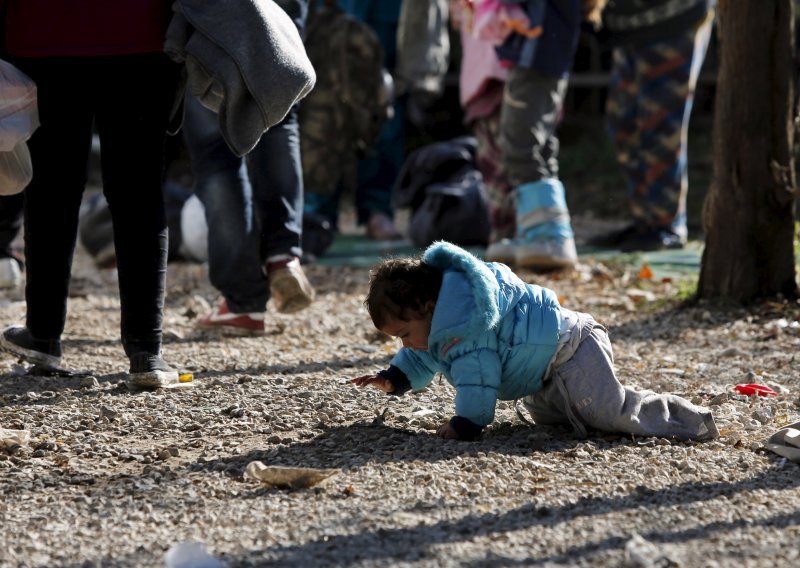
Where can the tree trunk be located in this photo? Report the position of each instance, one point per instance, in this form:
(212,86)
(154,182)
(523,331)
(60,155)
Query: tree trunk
(748,214)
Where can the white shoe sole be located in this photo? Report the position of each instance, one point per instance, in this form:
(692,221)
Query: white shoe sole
(153,379)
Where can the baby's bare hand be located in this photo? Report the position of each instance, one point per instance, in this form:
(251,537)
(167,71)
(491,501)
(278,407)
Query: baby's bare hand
(376,381)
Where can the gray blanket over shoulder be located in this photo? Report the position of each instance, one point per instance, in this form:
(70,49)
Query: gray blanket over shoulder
(244,60)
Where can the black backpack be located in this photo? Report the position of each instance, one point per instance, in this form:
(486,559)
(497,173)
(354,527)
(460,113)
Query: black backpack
(441,185)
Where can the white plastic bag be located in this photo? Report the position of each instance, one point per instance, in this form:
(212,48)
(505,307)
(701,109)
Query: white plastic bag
(16,170)
(19,117)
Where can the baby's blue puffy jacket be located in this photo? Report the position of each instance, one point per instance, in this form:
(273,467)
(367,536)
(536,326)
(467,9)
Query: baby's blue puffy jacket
(492,335)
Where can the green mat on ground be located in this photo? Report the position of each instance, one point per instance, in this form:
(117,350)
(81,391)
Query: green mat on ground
(359,251)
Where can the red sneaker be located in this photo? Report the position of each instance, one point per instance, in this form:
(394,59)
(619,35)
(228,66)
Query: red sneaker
(244,324)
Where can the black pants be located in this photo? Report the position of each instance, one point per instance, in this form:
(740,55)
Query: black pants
(128,99)
(10,222)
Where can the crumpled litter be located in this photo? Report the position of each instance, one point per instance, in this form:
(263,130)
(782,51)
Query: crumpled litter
(9,438)
(287,477)
(786,442)
(642,553)
(190,555)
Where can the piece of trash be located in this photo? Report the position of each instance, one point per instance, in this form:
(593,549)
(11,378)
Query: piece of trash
(10,438)
(786,442)
(423,412)
(185,378)
(643,553)
(287,477)
(752,388)
(190,555)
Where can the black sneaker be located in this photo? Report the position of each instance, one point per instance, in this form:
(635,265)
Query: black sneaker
(652,239)
(612,239)
(150,371)
(635,238)
(18,341)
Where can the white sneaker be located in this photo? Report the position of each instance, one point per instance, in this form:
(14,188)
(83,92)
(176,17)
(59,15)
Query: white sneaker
(546,254)
(10,274)
(504,250)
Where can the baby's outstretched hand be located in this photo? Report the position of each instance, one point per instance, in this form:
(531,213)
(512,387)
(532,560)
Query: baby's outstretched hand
(376,381)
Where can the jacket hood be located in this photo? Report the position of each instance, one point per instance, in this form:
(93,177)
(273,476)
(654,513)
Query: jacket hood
(484,285)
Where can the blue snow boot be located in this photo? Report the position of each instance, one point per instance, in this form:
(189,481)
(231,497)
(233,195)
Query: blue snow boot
(544,235)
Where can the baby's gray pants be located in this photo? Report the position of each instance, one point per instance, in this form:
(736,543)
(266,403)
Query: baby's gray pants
(584,391)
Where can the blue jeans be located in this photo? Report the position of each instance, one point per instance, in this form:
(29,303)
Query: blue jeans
(254,205)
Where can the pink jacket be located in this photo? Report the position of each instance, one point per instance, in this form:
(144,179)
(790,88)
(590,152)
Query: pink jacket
(480,67)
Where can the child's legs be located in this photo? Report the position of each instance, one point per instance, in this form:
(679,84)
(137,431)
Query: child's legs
(600,401)
(547,406)
(531,107)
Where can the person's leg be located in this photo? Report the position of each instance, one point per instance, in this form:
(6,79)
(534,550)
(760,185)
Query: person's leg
(593,396)
(649,109)
(222,185)
(378,171)
(531,107)
(377,174)
(667,75)
(621,112)
(623,129)
(11,262)
(276,176)
(275,173)
(134,97)
(59,152)
(11,209)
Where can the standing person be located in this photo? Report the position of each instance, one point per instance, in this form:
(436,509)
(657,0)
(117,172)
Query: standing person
(659,50)
(254,211)
(253,208)
(494,337)
(541,43)
(378,171)
(101,63)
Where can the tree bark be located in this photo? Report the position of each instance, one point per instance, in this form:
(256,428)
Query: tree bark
(748,214)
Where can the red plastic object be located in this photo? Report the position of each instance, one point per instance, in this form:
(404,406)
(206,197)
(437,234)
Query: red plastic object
(751,389)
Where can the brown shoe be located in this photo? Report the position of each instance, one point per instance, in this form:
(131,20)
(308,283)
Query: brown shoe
(381,228)
(290,289)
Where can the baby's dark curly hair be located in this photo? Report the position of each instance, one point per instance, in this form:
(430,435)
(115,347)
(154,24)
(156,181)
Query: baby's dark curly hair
(399,288)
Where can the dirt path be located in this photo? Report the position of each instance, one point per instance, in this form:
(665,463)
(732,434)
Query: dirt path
(114,478)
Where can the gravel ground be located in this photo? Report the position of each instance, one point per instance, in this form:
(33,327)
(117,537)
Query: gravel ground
(111,477)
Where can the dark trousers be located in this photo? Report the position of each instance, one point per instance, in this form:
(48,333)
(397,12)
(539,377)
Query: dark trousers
(253,205)
(128,99)
(10,222)
(532,105)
